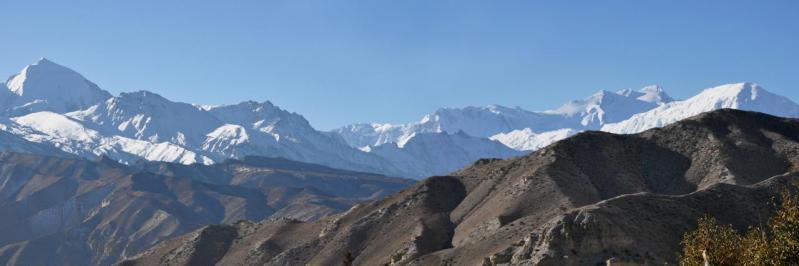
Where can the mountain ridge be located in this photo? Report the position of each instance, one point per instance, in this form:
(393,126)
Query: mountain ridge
(492,120)
(604,110)
(598,196)
(745,95)
(71,211)
(143,125)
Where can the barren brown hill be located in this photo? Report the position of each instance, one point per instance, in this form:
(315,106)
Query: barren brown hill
(582,201)
(60,211)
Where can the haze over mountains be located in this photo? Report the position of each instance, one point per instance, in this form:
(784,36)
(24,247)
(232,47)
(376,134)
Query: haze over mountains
(48,108)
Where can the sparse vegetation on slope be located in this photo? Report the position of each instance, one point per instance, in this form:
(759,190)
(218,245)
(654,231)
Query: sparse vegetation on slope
(721,244)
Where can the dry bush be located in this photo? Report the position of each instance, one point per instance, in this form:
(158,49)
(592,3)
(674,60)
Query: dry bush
(777,244)
(721,242)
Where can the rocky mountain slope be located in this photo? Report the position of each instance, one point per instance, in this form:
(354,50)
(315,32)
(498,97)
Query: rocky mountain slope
(581,201)
(62,211)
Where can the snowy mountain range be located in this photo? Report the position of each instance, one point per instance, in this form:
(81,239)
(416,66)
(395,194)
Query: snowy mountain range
(52,105)
(52,110)
(624,111)
(515,127)
(744,96)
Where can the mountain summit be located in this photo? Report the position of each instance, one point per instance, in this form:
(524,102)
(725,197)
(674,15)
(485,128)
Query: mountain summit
(652,94)
(490,121)
(744,96)
(45,85)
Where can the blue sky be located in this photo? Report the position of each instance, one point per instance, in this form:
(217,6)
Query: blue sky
(338,62)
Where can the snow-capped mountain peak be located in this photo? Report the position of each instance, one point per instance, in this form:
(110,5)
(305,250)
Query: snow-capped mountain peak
(590,113)
(45,85)
(602,99)
(608,107)
(651,94)
(143,100)
(48,108)
(732,95)
(264,117)
(477,121)
(148,116)
(744,96)
(16,82)
(577,107)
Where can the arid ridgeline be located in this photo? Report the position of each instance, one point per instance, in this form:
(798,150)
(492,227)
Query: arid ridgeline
(581,201)
(62,211)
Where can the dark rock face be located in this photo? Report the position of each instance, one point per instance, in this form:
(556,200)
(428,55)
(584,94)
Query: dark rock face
(584,200)
(59,211)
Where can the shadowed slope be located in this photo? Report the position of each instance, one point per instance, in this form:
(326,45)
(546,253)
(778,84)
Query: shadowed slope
(60,211)
(580,201)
